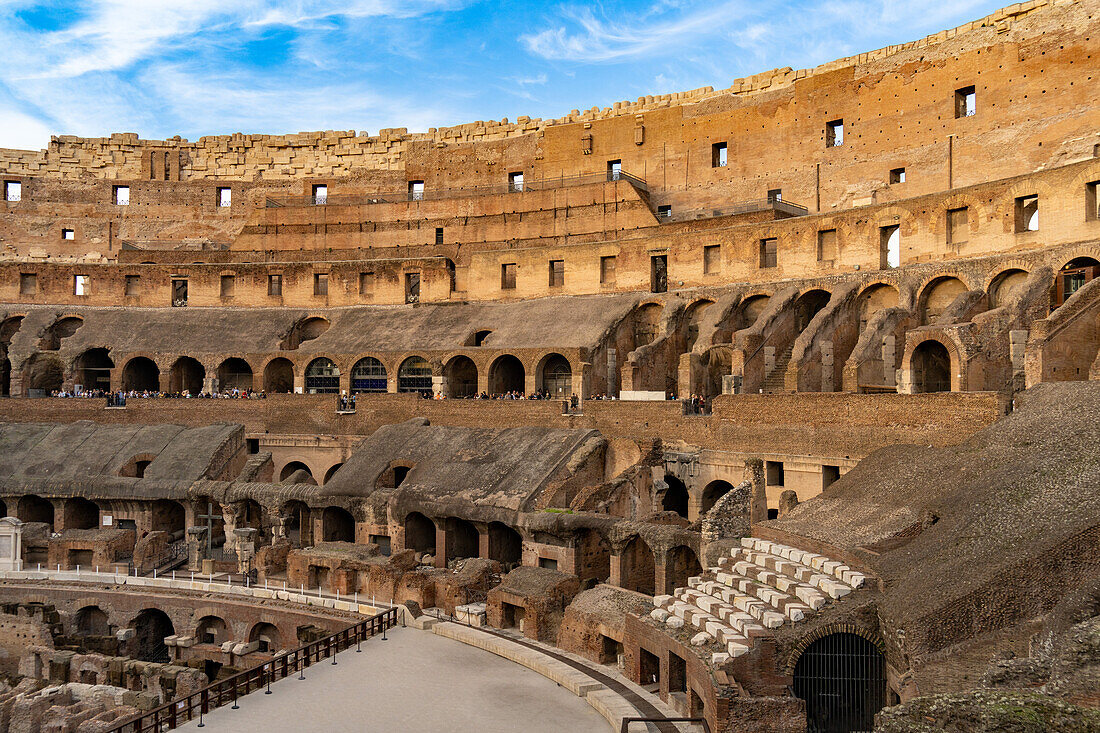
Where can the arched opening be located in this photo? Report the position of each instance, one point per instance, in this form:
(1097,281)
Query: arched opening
(42,374)
(419,533)
(842,678)
(91,621)
(266,636)
(235,373)
(337,525)
(322,376)
(296,472)
(808,305)
(251,514)
(36,509)
(141,374)
(369,375)
(415,375)
(279,376)
(186,375)
(462,539)
(676,496)
(150,627)
(683,563)
(1005,286)
(692,318)
(938,295)
(556,376)
(331,472)
(461,375)
(211,630)
(1072,277)
(60,329)
(304,330)
(747,313)
(506,375)
(297,523)
(638,568)
(8,329)
(712,492)
(594,561)
(505,545)
(874,299)
(645,325)
(92,370)
(3,508)
(931,367)
(169,516)
(477,338)
(81,514)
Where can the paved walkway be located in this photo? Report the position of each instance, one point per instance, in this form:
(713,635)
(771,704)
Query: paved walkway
(415,681)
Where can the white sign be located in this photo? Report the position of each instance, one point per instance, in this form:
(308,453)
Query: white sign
(108,520)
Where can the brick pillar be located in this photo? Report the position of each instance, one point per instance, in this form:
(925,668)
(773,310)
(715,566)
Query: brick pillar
(617,562)
(482,539)
(440,544)
(660,573)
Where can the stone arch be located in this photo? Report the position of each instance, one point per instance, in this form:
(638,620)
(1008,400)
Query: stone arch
(462,538)
(150,627)
(295,516)
(415,375)
(936,296)
(369,375)
(675,498)
(712,492)
(80,513)
(34,508)
(554,375)
(337,525)
(168,516)
(322,376)
(305,329)
(1004,285)
(291,467)
(1072,276)
(186,375)
(681,563)
(931,367)
(873,298)
(92,369)
(419,533)
(593,557)
(461,375)
(746,314)
(639,572)
(693,318)
(809,304)
(91,621)
(43,373)
(331,472)
(141,374)
(8,328)
(266,636)
(506,374)
(841,675)
(235,373)
(279,375)
(505,545)
(212,629)
(645,324)
(62,328)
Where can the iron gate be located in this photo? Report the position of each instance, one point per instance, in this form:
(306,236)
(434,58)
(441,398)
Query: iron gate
(842,678)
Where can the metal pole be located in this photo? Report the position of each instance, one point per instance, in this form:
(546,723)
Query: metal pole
(270,674)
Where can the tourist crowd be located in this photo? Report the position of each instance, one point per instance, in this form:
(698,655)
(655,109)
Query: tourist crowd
(229,394)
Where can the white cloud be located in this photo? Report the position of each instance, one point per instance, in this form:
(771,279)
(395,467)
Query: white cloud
(22,131)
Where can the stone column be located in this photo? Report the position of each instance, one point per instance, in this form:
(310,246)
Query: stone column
(246,548)
(11,544)
(196,547)
(440,545)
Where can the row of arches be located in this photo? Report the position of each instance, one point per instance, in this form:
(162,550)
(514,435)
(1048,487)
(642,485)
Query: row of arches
(80,513)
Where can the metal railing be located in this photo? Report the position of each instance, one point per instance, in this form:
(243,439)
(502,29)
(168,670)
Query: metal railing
(363,199)
(173,714)
(740,207)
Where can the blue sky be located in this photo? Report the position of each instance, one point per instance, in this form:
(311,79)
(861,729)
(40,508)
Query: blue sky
(208,67)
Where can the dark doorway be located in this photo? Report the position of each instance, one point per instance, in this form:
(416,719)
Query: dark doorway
(658,273)
(842,678)
(505,545)
(506,375)
(279,376)
(462,539)
(187,375)
(714,491)
(683,563)
(931,367)
(338,525)
(36,509)
(150,628)
(81,514)
(141,374)
(676,496)
(639,571)
(92,369)
(461,374)
(419,533)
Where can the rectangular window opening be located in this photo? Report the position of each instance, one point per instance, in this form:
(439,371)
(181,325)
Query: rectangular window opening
(829,475)
(614,170)
(179,293)
(28,283)
(416,190)
(774,473)
(412,287)
(320,283)
(1027,214)
(229,284)
(677,673)
(664,211)
(557,273)
(68,234)
(122,195)
(81,284)
(366,283)
(965,102)
(133,282)
(607,270)
(225,197)
(826,245)
(889,246)
(508,276)
(958,225)
(769,252)
(439,235)
(320,194)
(718,157)
(13,191)
(515,182)
(658,273)
(834,134)
(712,259)
(775,194)
(1092,202)
(275,285)
(897,175)
(548,562)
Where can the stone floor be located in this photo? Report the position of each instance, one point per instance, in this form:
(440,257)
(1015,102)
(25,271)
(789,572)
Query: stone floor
(415,681)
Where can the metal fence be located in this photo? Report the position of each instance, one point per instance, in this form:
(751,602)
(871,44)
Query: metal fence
(362,199)
(173,714)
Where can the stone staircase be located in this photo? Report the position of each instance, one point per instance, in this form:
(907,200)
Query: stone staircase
(776,379)
(755,588)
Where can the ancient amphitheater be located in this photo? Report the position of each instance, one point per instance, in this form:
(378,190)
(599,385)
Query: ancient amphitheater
(765,408)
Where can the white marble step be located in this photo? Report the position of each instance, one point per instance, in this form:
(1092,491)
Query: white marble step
(827,584)
(821,563)
(676,613)
(805,595)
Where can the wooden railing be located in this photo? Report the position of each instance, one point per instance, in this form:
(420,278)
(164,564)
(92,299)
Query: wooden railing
(173,714)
